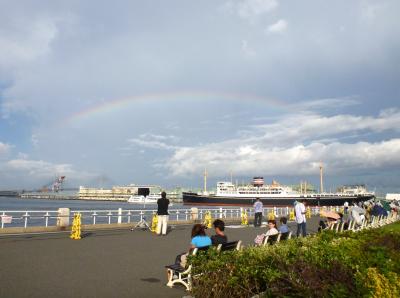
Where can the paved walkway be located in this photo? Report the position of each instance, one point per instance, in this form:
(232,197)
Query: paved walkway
(117,263)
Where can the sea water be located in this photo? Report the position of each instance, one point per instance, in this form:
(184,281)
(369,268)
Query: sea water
(25,205)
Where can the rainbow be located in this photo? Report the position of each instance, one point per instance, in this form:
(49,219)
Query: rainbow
(111,105)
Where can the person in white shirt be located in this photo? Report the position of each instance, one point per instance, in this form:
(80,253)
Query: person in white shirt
(258,209)
(300,210)
(346,207)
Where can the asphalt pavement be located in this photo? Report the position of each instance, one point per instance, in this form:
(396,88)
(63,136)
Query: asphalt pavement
(113,263)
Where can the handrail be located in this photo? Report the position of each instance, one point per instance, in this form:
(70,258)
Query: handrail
(25,218)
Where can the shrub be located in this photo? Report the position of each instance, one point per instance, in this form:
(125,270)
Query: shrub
(327,265)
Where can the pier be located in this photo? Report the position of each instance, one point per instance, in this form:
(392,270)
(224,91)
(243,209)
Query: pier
(105,263)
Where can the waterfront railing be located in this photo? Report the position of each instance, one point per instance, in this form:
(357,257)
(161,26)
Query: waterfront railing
(49,218)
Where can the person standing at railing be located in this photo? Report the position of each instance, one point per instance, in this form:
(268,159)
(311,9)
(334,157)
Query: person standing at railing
(258,209)
(162,212)
(300,210)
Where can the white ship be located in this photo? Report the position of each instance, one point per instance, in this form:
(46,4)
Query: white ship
(275,195)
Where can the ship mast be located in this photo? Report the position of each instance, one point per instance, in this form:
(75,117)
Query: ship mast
(321,178)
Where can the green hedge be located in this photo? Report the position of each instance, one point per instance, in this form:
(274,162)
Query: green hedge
(363,264)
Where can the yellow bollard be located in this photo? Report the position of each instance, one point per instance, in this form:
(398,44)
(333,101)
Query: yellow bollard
(291,215)
(154,223)
(245,220)
(76,227)
(308,212)
(271,215)
(207,219)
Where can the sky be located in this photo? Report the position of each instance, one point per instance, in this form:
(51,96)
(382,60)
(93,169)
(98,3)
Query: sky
(153,92)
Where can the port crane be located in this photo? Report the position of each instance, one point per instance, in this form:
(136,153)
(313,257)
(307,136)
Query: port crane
(55,185)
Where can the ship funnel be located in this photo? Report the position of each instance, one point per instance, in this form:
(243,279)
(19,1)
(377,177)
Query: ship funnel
(258,181)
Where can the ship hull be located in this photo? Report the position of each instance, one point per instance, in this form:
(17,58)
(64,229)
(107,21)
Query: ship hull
(324,200)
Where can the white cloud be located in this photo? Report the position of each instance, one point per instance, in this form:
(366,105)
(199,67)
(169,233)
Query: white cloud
(292,146)
(153,141)
(159,137)
(292,161)
(28,173)
(327,103)
(38,167)
(31,41)
(248,9)
(278,27)
(297,128)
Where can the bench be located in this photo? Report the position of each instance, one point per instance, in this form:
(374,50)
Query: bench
(233,245)
(179,275)
(270,239)
(284,236)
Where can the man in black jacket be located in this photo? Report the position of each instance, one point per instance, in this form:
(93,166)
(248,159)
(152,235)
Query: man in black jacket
(162,213)
(219,237)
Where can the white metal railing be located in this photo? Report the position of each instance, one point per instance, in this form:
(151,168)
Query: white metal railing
(46,218)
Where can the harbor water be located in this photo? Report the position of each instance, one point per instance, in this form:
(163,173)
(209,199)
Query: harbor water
(44,212)
(16,203)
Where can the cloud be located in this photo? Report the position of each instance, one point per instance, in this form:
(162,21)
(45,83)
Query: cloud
(370,11)
(293,146)
(248,9)
(303,127)
(247,51)
(292,161)
(38,167)
(28,173)
(278,27)
(152,141)
(4,148)
(59,60)
(27,42)
(327,103)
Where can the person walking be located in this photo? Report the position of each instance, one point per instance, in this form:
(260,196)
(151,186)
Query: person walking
(162,213)
(300,210)
(258,209)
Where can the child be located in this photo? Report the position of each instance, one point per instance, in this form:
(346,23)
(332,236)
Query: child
(283,228)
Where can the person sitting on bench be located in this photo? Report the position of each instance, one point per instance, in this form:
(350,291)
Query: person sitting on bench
(271,228)
(219,237)
(283,228)
(199,239)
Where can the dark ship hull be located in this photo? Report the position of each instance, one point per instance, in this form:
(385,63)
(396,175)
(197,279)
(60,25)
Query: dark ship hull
(190,198)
